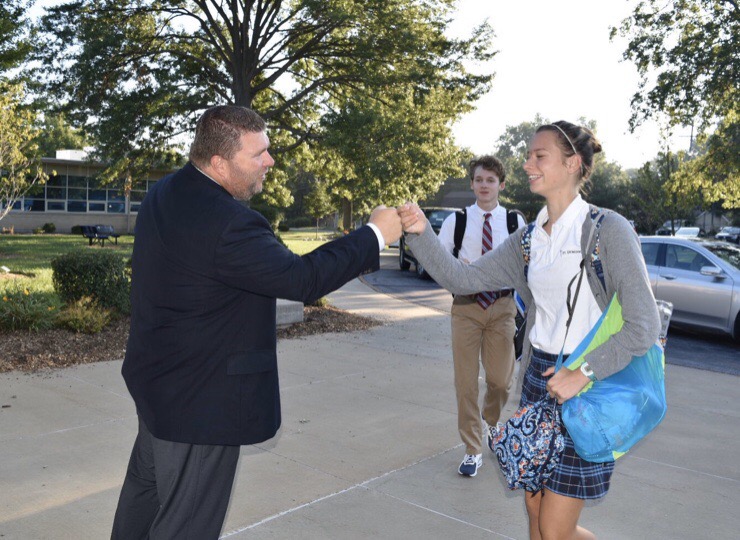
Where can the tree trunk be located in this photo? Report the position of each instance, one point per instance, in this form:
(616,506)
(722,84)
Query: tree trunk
(346,215)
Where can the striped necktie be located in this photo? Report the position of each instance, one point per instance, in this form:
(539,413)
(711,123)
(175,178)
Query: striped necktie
(485,298)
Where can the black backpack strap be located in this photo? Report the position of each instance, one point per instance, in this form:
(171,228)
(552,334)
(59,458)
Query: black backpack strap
(461,220)
(512,223)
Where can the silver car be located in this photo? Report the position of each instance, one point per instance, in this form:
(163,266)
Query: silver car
(700,277)
(729,234)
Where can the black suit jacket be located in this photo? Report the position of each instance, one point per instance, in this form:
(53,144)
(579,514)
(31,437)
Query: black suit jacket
(201,357)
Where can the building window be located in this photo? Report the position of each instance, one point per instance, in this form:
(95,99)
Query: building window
(56,192)
(135,200)
(77,181)
(81,194)
(55,206)
(76,206)
(75,194)
(96,195)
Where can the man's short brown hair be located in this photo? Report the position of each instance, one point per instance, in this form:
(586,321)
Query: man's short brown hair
(489,163)
(219,130)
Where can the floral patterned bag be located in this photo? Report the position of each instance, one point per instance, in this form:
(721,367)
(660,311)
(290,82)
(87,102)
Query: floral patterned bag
(528,446)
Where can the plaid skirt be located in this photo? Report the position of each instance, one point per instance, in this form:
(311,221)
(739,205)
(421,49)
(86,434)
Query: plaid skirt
(573,476)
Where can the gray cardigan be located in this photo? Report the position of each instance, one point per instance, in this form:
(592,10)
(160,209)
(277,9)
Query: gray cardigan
(624,273)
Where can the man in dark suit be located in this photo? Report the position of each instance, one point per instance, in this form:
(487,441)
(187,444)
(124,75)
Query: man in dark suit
(201,360)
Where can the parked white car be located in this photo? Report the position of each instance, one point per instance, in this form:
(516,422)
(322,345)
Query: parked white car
(700,278)
(690,232)
(668,229)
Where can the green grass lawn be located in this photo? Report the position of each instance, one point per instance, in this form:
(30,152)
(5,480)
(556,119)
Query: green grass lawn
(305,240)
(31,254)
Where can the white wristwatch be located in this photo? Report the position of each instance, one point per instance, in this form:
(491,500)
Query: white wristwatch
(587,371)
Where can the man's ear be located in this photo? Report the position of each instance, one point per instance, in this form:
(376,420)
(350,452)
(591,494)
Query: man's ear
(501,185)
(217,163)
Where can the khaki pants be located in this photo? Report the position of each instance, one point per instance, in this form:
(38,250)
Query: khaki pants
(487,337)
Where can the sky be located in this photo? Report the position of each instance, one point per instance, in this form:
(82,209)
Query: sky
(555,59)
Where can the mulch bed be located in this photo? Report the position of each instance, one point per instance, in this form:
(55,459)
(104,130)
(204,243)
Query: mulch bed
(57,348)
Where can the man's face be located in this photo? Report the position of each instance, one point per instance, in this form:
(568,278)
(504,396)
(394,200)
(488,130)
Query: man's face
(245,172)
(485,186)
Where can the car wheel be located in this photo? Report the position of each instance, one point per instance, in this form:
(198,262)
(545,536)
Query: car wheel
(403,264)
(421,272)
(737,329)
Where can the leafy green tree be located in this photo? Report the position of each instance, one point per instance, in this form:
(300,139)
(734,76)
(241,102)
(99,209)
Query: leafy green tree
(20,164)
(55,133)
(609,186)
(649,200)
(318,203)
(15,42)
(397,148)
(652,202)
(136,73)
(718,159)
(692,47)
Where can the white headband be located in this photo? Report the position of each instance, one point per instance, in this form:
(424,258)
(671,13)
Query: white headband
(566,137)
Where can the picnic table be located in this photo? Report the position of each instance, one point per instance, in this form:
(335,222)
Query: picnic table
(98,234)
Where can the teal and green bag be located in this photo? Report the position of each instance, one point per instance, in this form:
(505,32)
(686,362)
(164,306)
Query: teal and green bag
(609,416)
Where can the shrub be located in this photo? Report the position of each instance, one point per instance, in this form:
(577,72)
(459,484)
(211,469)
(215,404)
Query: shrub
(283,227)
(38,230)
(302,222)
(21,309)
(49,228)
(98,274)
(84,316)
(76,229)
(321,302)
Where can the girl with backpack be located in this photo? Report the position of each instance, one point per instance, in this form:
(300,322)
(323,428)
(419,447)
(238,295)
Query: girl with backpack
(540,261)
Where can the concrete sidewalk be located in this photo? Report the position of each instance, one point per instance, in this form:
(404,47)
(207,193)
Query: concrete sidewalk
(368,449)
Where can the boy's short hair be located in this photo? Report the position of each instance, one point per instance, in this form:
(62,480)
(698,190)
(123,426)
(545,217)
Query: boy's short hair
(489,163)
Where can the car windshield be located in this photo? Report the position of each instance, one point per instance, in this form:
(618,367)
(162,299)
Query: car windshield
(436,217)
(688,231)
(728,253)
(730,230)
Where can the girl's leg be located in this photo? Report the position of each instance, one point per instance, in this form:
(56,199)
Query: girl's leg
(532,501)
(558,518)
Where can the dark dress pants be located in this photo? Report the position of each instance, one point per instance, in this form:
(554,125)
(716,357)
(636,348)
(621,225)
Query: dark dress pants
(174,490)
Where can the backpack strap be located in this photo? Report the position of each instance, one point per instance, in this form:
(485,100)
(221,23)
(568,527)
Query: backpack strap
(597,217)
(512,221)
(526,245)
(461,220)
